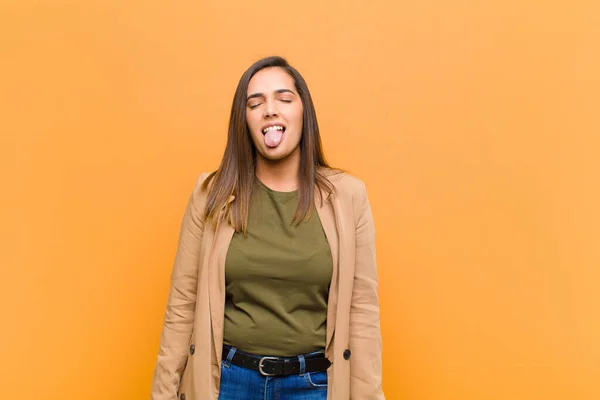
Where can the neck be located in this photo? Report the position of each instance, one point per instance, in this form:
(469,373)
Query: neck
(279,175)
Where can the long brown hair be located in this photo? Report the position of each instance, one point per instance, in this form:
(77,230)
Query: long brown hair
(235,176)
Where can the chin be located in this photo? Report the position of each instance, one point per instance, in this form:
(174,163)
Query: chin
(276,154)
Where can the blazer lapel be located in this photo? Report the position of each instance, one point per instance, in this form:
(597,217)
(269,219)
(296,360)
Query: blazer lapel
(216,280)
(326,213)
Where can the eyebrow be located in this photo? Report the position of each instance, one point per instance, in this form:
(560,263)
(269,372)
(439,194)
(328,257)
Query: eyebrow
(278,91)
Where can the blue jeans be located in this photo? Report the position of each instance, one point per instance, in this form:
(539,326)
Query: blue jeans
(238,383)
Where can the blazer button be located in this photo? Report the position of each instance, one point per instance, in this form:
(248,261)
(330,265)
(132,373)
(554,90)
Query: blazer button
(182,396)
(347,354)
(192,350)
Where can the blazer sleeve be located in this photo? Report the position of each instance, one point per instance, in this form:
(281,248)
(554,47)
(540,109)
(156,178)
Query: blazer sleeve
(181,303)
(365,334)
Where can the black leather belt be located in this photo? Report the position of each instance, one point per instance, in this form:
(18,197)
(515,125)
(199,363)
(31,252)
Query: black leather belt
(277,366)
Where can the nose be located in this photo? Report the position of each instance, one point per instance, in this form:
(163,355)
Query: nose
(271,109)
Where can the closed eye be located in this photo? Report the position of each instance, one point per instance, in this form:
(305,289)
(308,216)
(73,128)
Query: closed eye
(253,106)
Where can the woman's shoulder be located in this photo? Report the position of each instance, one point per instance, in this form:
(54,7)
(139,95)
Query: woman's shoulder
(344,183)
(203,177)
(200,191)
(202,181)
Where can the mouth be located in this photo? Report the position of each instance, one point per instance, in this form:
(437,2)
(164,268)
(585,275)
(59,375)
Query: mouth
(273,128)
(273,134)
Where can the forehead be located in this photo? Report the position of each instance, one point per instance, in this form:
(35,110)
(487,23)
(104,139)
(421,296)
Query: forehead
(270,79)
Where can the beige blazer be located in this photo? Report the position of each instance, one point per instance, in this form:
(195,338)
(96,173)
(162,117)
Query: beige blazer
(189,359)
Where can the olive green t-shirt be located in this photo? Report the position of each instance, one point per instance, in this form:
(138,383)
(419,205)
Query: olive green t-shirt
(277,279)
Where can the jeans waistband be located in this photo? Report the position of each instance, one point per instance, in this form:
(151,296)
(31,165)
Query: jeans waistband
(230,351)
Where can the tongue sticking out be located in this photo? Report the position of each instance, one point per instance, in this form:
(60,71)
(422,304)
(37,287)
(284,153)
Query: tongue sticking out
(273,137)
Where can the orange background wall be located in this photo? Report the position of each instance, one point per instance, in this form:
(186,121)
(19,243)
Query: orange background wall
(474,124)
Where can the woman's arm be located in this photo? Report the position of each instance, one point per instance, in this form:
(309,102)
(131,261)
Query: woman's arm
(365,336)
(181,303)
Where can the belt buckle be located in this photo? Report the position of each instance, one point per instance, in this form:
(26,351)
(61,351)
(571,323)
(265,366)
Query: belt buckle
(260,365)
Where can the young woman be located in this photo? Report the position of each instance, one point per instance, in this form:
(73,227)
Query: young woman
(274,287)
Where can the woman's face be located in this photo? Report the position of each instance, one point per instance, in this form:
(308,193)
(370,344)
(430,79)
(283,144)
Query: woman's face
(274,114)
